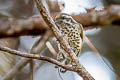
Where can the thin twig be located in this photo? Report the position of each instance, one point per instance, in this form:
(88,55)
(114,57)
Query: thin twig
(82,71)
(39,44)
(97,53)
(35,56)
(32,69)
(90,44)
(50,47)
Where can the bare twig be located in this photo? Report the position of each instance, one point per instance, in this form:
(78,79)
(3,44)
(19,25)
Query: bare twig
(97,52)
(82,71)
(90,45)
(50,47)
(39,44)
(32,69)
(36,56)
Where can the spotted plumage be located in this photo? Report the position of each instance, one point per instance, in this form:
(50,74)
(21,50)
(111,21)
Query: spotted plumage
(72,32)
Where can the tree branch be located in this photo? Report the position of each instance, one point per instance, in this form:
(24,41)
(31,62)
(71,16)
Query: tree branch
(82,71)
(35,26)
(109,16)
(17,27)
(36,56)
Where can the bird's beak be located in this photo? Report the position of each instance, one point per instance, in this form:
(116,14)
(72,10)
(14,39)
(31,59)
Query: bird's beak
(58,16)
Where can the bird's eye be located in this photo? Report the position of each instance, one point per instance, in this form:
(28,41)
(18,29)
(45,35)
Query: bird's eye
(63,17)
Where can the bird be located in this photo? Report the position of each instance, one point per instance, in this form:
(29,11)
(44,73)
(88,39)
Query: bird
(72,32)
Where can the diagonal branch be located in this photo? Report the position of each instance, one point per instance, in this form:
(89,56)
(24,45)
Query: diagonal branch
(82,71)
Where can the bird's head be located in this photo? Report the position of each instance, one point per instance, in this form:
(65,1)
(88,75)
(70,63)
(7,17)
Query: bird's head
(63,19)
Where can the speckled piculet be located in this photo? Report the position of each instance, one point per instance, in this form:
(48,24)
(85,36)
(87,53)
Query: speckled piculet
(72,33)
